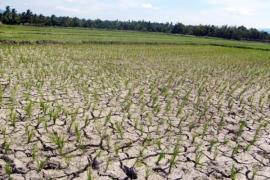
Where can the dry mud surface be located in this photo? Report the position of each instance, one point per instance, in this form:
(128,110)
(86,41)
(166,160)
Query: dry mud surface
(134,112)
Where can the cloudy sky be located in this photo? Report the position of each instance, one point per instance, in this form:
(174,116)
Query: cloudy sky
(251,13)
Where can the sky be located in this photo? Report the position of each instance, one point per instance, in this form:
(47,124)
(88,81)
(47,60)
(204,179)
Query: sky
(250,13)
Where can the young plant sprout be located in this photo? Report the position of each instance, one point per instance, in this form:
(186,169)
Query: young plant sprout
(233,173)
(29,109)
(13,118)
(34,152)
(29,133)
(41,164)
(6,145)
(1,96)
(240,129)
(160,157)
(198,157)
(8,170)
(59,141)
(147,173)
(89,174)
(174,156)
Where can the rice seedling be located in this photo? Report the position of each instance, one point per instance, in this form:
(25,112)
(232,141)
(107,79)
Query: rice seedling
(59,141)
(41,164)
(34,152)
(254,173)
(77,132)
(89,174)
(147,173)
(198,157)
(161,156)
(240,129)
(29,133)
(1,96)
(212,144)
(233,173)
(174,156)
(6,145)
(13,118)
(29,109)
(8,170)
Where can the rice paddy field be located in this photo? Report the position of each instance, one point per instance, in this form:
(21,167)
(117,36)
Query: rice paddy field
(179,108)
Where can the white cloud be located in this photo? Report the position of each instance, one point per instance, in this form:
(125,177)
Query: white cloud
(250,13)
(241,7)
(238,10)
(148,6)
(69,10)
(77,1)
(70,1)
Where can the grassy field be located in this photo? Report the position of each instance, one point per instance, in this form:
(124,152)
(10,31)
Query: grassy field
(142,111)
(78,35)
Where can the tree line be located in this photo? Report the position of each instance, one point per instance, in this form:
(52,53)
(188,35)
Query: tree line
(10,16)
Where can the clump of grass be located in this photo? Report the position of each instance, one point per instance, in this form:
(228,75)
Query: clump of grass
(233,173)
(147,173)
(89,174)
(212,144)
(119,129)
(198,158)
(1,96)
(41,163)
(59,141)
(255,137)
(13,118)
(8,170)
(34,152)
(160,157)
(240,131)
(176,152)
(29,133)
(29,109)
(6,145)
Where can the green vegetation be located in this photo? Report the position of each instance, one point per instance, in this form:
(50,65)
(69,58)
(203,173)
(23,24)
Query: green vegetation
(79,35)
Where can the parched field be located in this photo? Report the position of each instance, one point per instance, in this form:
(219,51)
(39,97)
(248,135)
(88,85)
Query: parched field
(100,111)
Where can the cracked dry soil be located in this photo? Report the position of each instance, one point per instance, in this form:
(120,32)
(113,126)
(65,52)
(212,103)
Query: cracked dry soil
(134,112)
